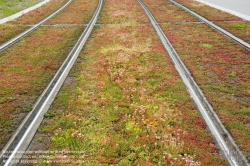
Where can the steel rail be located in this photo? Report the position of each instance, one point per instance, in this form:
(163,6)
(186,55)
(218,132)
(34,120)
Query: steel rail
(224,140)
(20,141)
(26,32)
(221,30)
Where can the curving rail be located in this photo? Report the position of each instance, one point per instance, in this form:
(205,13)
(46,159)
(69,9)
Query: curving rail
(221,30)
(26,131)
(26,32)
(224,140)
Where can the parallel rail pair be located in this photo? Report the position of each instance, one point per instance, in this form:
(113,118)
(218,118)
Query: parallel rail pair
(228,147)
(26,131)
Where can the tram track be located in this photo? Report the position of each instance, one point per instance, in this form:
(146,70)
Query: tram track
(192,87)
(25,132)
(32,28)
(223,138)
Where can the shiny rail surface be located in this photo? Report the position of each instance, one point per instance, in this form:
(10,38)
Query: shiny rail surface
(222,137)
(26,131)
(221,30)
(26,32)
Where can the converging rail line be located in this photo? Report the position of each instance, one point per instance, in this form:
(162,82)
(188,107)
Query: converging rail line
(24,134)
(224,140)
(26,32)
(221,30)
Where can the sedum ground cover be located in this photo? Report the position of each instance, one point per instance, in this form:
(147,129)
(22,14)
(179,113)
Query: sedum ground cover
(220,67)
(124,103)
(27,67)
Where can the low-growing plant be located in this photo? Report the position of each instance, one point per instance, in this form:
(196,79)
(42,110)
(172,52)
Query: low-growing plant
(245,110)
(27,108)
(204,45)
(240,25)
(233,74)
(49,115)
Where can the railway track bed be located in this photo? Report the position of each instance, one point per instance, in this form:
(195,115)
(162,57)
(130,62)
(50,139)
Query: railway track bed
(124,102)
